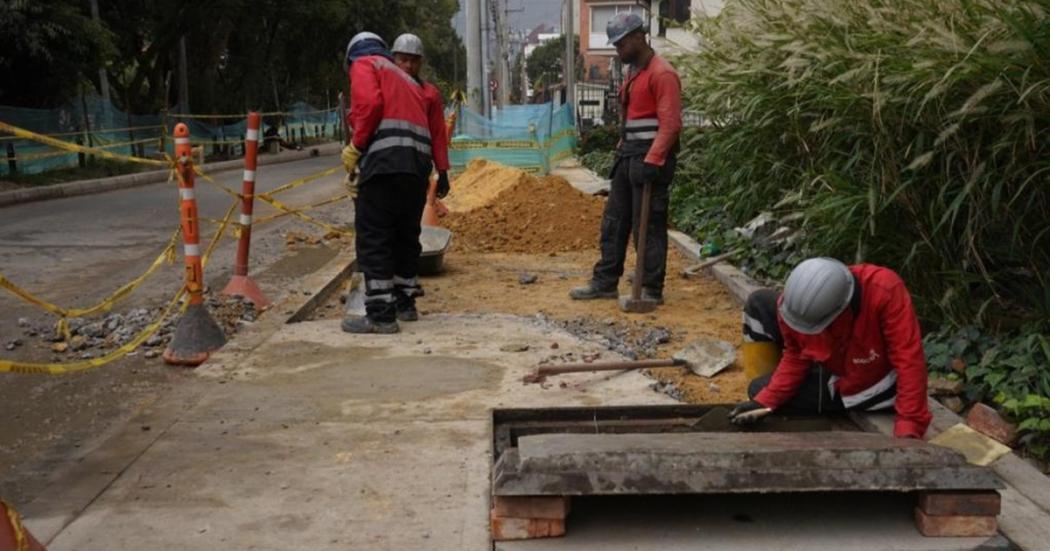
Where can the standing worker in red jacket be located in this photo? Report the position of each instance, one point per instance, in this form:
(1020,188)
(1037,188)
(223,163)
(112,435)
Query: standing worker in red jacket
(408,55)
(849,339)
(391,146)
(652,118)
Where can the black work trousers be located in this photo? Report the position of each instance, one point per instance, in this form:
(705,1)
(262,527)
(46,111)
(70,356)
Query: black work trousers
(387,225)
(620,222)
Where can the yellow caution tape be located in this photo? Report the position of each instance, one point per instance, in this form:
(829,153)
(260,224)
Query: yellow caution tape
(65,368)
(105,304)
(296,212)
(77,148)
(217,236)
(282,214)
(301,181)
(210,180)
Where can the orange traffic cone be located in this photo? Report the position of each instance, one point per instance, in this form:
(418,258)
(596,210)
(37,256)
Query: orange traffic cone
(14,536)
(431,211)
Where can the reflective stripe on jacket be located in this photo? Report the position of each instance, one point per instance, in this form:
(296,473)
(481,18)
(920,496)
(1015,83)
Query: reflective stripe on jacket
(388,115)
(653,100)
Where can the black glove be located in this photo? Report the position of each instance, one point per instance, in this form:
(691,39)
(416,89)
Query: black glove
(649,173)
(443,185)
(748,413)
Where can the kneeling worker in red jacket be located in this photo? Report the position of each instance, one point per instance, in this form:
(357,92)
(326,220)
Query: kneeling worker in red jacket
(849,339)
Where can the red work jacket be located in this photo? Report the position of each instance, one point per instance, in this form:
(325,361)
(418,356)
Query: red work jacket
(438,129)
(388,115)
(653,100)
(866,352)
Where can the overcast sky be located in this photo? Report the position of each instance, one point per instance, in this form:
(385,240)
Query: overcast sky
(535,12)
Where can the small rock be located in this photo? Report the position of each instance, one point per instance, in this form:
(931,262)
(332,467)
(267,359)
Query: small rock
(554,346)
(154,340)
(23,322)
(92,330)
(528,279)
(714,388)
(941,386)
(953,403)
(145,428)
(514,348)
(60,347)
(87,355)
(10,346)
(150,354)
(426,351)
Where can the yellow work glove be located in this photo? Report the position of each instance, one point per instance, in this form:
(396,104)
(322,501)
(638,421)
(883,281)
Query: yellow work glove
(350,157)
(350,181)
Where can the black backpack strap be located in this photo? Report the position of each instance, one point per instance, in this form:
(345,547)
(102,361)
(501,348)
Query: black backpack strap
(854,301)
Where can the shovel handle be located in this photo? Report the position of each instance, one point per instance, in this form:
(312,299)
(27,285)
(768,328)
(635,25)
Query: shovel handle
(544,371)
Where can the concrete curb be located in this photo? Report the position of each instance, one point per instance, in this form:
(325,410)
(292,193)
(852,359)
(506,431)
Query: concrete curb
(738,283)
(101,185)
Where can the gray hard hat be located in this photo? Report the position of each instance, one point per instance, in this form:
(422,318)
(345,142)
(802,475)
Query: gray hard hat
(623,24)
(408,44)
(817,291)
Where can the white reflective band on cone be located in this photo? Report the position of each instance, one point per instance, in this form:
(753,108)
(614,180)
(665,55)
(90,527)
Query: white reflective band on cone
(182,141)
(246,220)
(185,193)
(192,250)
(252,135)
(249,175)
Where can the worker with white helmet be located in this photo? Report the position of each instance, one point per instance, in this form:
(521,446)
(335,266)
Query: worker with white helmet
(848,339)
(408,55)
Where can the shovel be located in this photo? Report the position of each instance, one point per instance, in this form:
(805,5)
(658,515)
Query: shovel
(705,357)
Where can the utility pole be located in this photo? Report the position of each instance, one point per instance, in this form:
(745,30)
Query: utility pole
(570,57)
(475,86)
(184,84)
(486,68)
(103,80)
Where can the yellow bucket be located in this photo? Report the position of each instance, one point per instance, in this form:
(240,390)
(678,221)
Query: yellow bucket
(758,359)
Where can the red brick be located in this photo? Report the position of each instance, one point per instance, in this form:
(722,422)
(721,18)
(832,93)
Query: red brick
(955,526)
(987,421)
(548,507)
(509,528)
(974,504)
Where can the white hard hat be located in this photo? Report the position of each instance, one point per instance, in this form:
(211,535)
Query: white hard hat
(816,292)
(359,37)
(408,44)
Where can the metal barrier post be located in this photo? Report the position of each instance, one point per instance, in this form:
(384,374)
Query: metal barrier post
(241,284)
(197,335)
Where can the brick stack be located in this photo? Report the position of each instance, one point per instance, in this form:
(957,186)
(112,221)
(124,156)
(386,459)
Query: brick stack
(958,514)
(528,517)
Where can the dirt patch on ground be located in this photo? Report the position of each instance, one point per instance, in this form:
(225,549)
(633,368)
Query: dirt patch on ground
(695,308)
(480,184)
(535,215)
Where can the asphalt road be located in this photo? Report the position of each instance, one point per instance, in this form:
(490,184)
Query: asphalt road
(76,251)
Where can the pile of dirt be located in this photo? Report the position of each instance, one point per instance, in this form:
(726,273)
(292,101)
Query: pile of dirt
(535,215)
(481,183)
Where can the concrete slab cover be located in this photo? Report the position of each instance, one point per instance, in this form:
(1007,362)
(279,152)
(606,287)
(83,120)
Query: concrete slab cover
(584,464)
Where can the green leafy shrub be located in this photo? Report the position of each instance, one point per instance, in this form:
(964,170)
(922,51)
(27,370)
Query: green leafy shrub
(600,162)
(599,138)
(909,133)
(1033,412)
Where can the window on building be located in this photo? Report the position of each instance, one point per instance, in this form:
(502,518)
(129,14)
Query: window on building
(601,14)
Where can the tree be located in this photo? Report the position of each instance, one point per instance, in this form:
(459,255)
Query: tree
(48,50)
(544,65)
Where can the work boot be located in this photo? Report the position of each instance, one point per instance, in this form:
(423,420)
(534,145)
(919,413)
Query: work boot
(366,325)
(653,295)
(406,308)
(592,292)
